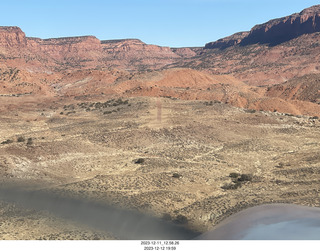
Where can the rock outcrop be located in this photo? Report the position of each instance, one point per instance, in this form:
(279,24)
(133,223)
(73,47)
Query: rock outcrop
(12,36)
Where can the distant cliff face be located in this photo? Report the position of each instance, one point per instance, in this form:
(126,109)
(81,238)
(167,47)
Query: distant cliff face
(17,50)
(12,37)
(271,53)
(284,29)
(86,48)
(274,31)
(135,54)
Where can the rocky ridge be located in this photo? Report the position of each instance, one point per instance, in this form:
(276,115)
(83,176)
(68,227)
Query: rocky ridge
(226,42)
(17,50)
(284,29)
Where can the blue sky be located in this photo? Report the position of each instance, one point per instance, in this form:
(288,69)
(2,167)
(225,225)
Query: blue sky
(174,23)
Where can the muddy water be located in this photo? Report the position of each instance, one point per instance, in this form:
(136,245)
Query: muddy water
(269,222)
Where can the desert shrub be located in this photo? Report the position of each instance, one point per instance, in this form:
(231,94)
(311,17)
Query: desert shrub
(245,177)
(232,186)
(237,181)
(208,103)
(29,141)
(280,165)
(181,219)
(250,111)
(176,175)
(117,102)
(21,139)
(234,175)
(8,141)
(98,105)
(139,161)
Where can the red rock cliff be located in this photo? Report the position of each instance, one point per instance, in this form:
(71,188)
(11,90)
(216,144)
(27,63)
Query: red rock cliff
(17,50)
(275,31)
(12,37)
(88,47)
(284,29)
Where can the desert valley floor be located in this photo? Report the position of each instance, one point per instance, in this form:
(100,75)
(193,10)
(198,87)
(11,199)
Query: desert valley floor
(190,162)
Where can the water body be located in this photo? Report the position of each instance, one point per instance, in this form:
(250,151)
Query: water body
(266,222)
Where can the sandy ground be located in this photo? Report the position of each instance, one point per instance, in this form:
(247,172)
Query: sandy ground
(189,162)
